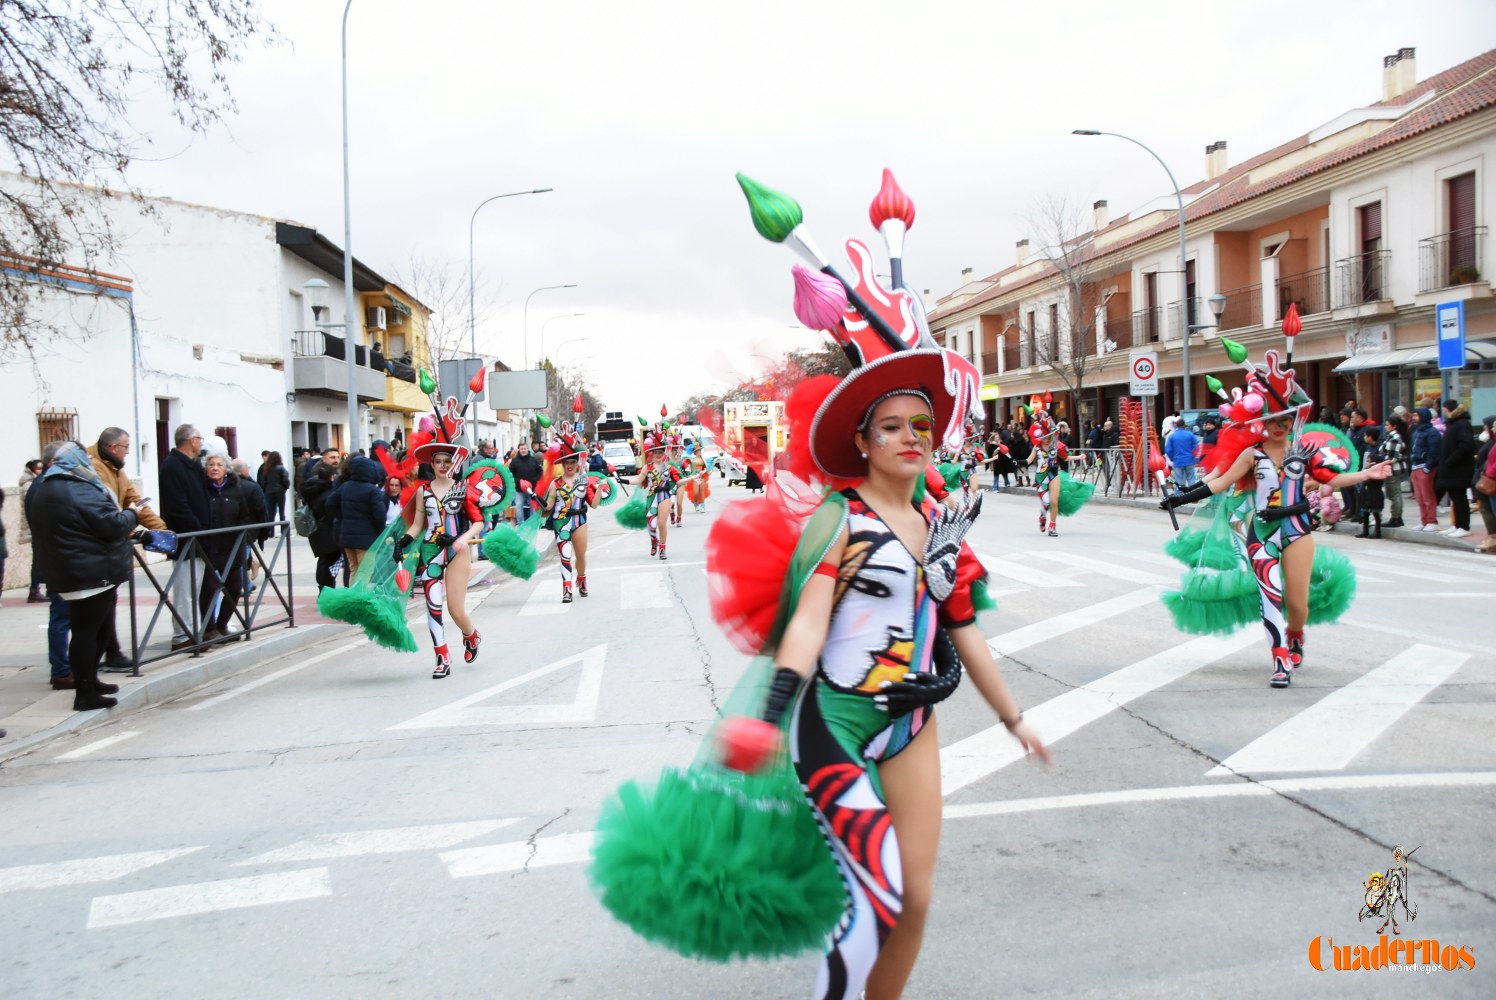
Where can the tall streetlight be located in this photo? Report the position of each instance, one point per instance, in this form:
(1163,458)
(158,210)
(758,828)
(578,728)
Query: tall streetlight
(472,323)
(542,288)
(348,328)
(547,323)
(1184,306)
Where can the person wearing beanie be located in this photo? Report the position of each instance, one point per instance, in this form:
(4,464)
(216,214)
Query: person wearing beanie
(1423,460)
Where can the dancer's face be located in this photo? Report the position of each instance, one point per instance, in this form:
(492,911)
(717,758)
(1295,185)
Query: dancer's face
(441,463)
(569,466)
(898,438)
(1277,429)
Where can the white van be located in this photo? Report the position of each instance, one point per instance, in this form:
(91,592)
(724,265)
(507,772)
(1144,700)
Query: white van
(621,457)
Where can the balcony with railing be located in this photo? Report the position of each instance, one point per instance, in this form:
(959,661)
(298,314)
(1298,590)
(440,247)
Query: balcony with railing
(1011,355)
(317,366)
(1361,279)
(1243,308)
(1451,259)
(989,363)
(1147,326)
(1309,290)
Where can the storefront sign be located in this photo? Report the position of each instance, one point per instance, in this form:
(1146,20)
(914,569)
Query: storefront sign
(1368,339)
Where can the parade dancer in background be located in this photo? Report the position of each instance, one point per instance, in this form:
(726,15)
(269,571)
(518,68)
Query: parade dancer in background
(1265,461)
(675,455)
(1047,454)
(658,481)
(566,503)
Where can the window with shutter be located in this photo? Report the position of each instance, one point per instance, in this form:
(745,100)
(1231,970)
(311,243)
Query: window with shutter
(1370,219)
(1461,261)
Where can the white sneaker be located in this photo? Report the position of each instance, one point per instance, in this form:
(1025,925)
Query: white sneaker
(1457,532)
(1429,527)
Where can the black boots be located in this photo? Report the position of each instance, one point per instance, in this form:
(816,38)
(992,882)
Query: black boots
(1371,525)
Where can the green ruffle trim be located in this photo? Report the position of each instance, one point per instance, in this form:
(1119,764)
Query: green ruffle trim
(634,515)
(718,865)
(1073,494)
(1333,587)
(381,615)
(510,550)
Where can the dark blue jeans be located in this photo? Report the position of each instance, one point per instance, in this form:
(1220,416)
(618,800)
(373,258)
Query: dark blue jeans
(59,624)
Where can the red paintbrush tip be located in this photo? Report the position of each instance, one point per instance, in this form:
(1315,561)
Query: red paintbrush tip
(1291,322)
(747,744)
(891,203)
(402,579)
(663,411)
(577,405)
(1156,461)
(475,384)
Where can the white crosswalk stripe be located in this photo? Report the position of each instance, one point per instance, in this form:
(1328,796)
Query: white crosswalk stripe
(1032,634)
(1329,734)
(1116,570)
(519,855)
(1024,572)
(84,870)
(360,843)
(208,897)
(545,599)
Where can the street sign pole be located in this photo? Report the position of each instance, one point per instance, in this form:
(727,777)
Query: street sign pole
(1143,376)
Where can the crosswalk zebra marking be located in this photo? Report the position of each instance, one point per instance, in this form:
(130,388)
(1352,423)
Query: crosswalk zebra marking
(989,751)
(1329,734)
(519,855)
(97,745)
(467,712)
(1117,571)
(1032,634)
(208,897)
(84,870)
(396,840)
(1024,572)
(545,599)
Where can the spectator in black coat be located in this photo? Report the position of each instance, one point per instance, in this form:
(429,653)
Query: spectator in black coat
(232,502)
(84,540)
(526,468)
(184,508)
(358,506)
(1456,465)
(276,485)
(324,540)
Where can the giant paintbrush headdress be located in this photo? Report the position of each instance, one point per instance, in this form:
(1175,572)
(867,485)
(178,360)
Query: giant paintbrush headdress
(883,331)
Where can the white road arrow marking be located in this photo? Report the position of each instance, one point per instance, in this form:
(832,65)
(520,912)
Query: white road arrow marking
(393,841)
(991,750)
(98,745)
(102,869)
(519,855)
(468,712)
(208,897)
(1329,734)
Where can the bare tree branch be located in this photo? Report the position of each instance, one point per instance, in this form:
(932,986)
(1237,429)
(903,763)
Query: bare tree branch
(1063,233)
(442,286)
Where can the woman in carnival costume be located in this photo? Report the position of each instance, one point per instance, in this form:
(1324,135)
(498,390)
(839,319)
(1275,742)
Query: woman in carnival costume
(567,500)
(698,477)
(1059,495)
(861,608)
(1256,553)
(658,482)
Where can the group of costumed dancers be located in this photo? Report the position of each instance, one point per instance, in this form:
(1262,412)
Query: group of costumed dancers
(810,818)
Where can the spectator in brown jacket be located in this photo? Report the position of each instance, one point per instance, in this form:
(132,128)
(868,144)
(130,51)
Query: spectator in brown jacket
(108,456)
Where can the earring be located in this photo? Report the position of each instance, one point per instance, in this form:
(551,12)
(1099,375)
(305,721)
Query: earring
(864,454)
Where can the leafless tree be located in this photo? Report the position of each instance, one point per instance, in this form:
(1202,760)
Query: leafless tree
(442,287)
(70,73)
(564,384)
(1063,233)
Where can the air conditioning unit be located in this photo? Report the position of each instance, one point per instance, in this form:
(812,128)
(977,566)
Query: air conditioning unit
(377,319)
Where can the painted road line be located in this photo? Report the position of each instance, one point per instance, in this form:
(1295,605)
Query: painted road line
(1037,632)
(259,682)
(98,745)
(671,564)
(397,840)
(1115,570)
(641,590)
(1023,572)
(103,869)
(1242,789)
(467,711)
(1329,734)
(519,855)
(1454,560)
(545,599)
(208,897)
(990,750)
(1401,631)
(1402,570)
(1474,595)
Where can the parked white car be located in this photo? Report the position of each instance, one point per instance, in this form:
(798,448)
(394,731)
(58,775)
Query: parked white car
(621,457)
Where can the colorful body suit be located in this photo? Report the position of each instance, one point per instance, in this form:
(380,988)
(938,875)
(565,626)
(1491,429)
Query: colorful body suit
(568,513)
(1049,452)
(883,625)
(1281,516)
(659,483)
(446,518)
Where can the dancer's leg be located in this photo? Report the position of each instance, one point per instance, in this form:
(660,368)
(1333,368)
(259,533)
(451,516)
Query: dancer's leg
(457,585)
(911,786)
(1298,571)
(435,592)
(579,542)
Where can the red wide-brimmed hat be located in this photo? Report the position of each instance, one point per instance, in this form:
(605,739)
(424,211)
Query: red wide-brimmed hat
(842,414)
(564,447)
(458,449)
(650,445)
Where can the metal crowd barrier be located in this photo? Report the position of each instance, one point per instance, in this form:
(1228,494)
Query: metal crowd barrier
(194,563)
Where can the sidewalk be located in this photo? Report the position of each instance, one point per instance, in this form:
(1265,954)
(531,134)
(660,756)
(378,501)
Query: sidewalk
(33,713)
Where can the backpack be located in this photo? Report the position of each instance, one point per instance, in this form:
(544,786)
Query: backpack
(304,520)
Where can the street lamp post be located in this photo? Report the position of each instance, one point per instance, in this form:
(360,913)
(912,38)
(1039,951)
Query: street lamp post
(547,323)
(472,323)
(542,288)
(348,328)
(1183,259)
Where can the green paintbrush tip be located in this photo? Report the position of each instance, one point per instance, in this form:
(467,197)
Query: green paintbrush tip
(775,215)
(1212,383)
(1236,352)
(428,384)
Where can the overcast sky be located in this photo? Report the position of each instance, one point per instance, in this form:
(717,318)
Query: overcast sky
(638,114)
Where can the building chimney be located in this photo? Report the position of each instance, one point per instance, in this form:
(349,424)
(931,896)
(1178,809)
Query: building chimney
(966,276)
(1399,73)
(1022,251)
(928,300)
(1101,215)
(1215,160)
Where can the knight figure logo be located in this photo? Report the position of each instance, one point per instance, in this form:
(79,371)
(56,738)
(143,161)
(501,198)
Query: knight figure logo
(1384,893)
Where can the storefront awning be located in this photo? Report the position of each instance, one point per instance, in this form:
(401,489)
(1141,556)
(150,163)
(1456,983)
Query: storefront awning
(1415,357)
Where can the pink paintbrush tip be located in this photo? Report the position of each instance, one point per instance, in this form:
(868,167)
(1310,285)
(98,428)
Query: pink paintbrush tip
(820,300)
(1292,325)
(891,203)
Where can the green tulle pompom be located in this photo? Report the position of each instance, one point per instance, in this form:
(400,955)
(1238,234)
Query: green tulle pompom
(1333,587)
(634,515)
(980,599)
(1212,548)
(1073,494)
(952,473)
(511,552)
(1214,603)
(714,864)
(380,615)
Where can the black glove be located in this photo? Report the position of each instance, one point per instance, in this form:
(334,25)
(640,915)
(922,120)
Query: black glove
(917,689)
(782,691)
(401,541)
(1194,494)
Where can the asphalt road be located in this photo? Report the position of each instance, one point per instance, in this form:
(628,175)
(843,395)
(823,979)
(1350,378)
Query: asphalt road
(336,823)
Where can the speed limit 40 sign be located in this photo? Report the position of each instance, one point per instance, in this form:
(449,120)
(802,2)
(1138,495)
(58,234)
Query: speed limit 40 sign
(1144,372)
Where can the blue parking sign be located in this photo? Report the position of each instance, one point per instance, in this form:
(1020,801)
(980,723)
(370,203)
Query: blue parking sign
(1449,319)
